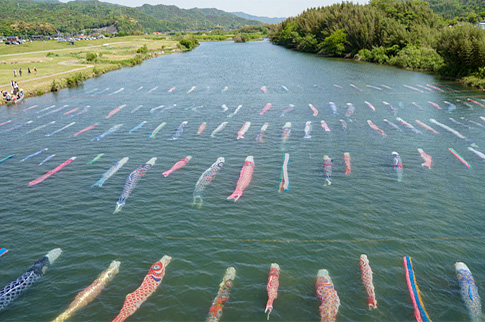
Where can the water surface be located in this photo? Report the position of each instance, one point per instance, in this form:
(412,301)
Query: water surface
(434,215)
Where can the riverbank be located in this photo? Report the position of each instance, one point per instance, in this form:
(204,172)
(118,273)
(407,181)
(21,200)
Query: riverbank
(61,65)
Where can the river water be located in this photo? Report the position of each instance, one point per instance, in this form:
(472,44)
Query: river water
(434,216)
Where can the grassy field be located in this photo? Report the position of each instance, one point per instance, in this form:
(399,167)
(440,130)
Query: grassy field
(61,64)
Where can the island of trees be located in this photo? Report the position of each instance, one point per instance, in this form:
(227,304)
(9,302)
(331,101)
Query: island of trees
(406,34)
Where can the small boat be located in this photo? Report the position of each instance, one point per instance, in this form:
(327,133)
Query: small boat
(13,98)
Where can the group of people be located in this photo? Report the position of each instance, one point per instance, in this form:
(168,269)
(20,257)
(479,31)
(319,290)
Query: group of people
(15,94)
(20,71)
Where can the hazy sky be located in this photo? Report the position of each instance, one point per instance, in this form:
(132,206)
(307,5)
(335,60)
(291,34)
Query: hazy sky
(268,8)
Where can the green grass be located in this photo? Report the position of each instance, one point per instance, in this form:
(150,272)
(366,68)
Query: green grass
(51,58)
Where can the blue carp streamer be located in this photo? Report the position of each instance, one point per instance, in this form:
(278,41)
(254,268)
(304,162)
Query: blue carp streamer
(205,179)
(132,181)
(14,289)
(469,292)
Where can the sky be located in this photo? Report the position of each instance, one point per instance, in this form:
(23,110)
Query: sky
(265,8)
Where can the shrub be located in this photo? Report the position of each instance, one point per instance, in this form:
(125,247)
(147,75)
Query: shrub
(142,50)
(376,54)
(74,79)
(239,39)
(91,57)
(416,58)
(189,43)
(54,86)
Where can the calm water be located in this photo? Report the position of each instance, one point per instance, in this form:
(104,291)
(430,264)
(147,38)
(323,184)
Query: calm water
(434,216)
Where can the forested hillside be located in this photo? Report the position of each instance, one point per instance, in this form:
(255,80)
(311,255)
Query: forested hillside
(402,33)
(29,17)
(206,19)
(450,9)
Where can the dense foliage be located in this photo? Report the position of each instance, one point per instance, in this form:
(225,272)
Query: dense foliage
(458,8)
(402,33)
(44,17)
(189,42)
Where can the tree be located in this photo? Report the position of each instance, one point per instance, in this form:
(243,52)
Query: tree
(335,43)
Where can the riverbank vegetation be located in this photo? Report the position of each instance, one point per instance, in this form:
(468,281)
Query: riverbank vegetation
(62,65)
(407,34)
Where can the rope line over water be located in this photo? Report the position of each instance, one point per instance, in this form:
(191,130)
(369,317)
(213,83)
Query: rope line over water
(244,240)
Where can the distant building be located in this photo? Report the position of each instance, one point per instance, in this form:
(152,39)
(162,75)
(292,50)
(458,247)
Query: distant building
(12,38)
(37,37)
(481,24)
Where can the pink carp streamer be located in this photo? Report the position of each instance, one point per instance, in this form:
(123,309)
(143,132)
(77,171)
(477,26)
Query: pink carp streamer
(243,130)
(113,112)
(434,87)
(272,287)
(244,179)
(375,127)
(182,163)
(259,137)
(414,88)
(266,108)
(353,86)
(86,129)
(201,128)
(71,111)
(263,89)
(348,166)
(48,174)
(426,157)
(370,106)
(314,109)
(284,180)
(367,280)
(325,126)
(330,301)
(427,127)
(435,105)
(149,285)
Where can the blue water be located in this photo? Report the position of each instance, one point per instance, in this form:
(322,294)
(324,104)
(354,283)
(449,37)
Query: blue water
(434,215)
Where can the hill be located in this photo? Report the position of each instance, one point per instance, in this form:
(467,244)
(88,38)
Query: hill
(267,20)
(450,9)
(196,18)
(28,16)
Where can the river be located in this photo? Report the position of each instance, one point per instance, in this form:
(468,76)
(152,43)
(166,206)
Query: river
(432,215)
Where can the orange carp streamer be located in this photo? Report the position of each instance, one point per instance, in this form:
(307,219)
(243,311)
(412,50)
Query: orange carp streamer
(149,285)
